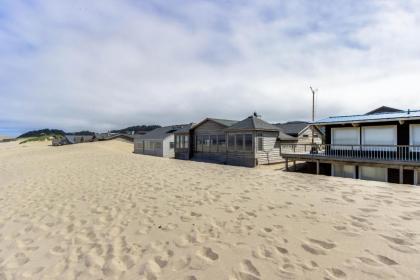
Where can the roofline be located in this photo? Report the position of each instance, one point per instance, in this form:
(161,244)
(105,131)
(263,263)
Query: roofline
(309,125)
(210,119)
(368,121)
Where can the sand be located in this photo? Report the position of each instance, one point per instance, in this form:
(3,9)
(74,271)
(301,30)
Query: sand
(97,211)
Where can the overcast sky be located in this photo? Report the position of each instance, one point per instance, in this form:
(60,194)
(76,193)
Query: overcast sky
(100,65)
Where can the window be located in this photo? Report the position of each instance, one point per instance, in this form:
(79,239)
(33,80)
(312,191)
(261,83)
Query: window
(231,142)
(305,135)
(345,136)
(158,145)
(171,145)
(177,144)
(239,142)
(260,144)
(206,143)
(213,143)
(199,144)
(379,135)
(222,143)
(373,173)
(186,142)
(248,142)
(345,171)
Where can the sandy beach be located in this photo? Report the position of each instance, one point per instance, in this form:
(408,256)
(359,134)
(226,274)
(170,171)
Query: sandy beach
(98,211)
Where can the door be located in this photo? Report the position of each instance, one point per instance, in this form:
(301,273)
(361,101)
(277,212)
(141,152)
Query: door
(344,171)
(373,173)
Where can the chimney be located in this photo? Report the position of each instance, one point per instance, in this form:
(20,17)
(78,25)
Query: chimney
(408,111)
(257,115)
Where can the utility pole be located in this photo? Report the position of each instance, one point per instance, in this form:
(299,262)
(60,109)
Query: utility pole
(313,111)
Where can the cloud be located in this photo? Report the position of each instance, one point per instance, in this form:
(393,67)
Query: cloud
(105,64)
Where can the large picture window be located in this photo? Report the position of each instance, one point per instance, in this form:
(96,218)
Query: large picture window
(213,143)
(186,142)
(239,142)
(206,143)
(231,142)
(199,144)
(248,142)
(222,143)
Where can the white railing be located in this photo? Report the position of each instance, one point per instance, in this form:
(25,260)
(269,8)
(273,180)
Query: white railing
(409,153)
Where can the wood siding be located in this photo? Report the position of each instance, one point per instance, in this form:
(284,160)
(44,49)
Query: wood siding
(271,149)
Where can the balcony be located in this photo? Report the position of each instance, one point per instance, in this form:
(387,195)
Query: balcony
(386,154)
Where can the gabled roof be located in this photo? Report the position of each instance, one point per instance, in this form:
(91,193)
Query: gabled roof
(162,132)
(292,128)
(222,122)
(384,109)
(253,123)
(379,117)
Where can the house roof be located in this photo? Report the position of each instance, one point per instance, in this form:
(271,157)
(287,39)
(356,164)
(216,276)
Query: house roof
(292,128)
(376,117)
(161,132)
(253,123)
(185,129)
(384,109)
(222,122)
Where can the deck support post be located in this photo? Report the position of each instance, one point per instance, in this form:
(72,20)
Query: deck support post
(287,164)
(317,167)
(416,178)
(401,174)
(294,166)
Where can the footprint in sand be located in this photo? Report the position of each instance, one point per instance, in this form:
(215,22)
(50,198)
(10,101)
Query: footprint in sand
(386,260)
(208,254)
(247,271)
(336,273)
(324,244)
(312,250)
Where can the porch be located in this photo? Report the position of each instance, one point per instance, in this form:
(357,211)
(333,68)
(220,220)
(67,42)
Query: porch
(402,157)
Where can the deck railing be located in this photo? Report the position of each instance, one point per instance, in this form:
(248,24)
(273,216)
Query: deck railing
(409,153)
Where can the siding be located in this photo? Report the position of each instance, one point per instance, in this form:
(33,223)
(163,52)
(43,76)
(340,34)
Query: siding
(270,153)
(209,128)
(306,137)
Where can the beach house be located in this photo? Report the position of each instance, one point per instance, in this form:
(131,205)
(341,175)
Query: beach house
(303,132)
(158,142)
(381,145)
(249,142)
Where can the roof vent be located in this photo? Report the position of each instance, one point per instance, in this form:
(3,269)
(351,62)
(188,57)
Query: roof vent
(255,114)
(408,111)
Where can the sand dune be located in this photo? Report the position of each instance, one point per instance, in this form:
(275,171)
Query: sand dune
(97,211)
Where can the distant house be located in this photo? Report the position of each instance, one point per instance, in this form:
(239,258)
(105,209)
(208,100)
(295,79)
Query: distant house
(158,142)
(249,142)
(303,132)
(381,145)
(72,139)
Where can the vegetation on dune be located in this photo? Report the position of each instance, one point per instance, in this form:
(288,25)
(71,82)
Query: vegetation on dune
(42,132)
(40,138)
(136,128)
